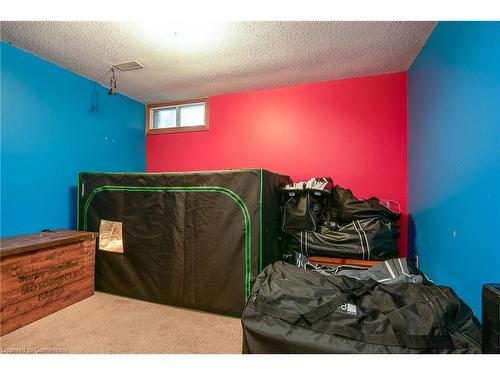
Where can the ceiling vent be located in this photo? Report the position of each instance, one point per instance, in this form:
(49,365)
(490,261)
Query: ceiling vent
(131,65)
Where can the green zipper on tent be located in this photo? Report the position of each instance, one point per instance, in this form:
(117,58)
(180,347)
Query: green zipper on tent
(190,189)
(78,202)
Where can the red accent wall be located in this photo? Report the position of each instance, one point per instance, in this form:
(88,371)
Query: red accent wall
(354,130)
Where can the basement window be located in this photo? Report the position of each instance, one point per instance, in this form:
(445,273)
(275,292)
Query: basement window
(174,117)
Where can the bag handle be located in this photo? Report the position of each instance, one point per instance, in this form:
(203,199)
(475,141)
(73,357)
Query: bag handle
(329,307)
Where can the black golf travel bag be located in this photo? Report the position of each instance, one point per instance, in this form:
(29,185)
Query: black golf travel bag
(330,221)
(293,310)
(372,238)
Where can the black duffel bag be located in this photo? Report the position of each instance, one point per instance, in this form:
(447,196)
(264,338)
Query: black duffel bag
(373,238)
(344,207)
(292,310)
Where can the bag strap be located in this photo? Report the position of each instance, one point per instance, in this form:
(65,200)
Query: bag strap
(416,341)
(329,307)
(268,309)
(397,339)
(325,309)
(427,342)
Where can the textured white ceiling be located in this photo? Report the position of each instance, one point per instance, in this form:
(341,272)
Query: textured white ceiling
(234,57)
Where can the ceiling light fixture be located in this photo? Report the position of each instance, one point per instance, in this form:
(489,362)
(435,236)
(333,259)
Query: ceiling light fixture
(183,34)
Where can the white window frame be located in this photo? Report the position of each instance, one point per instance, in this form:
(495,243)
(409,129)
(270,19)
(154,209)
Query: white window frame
(178,128)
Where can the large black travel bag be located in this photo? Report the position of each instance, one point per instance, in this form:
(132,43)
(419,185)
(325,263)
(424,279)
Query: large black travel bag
(372,238)
(333,222)
(292,310)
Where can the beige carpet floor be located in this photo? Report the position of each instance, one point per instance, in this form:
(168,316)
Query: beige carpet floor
(106,323)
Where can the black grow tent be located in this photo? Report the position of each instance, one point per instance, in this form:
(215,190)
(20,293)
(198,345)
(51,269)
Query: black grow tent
(195,239)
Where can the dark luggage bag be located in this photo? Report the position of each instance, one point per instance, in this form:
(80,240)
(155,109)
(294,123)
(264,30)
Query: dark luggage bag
(372,238)
(292,310)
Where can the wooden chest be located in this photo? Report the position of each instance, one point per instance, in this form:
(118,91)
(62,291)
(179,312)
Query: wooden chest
(42,273)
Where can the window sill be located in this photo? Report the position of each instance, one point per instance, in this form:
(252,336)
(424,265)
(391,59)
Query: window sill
(179,129)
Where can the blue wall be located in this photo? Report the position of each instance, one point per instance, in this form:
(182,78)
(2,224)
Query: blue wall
(55,123)
(454,157)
